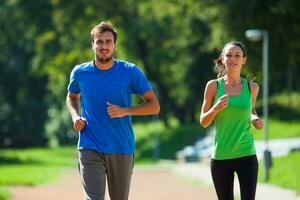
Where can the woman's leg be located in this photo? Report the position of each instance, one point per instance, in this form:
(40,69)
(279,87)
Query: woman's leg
(222,172)
(247,171)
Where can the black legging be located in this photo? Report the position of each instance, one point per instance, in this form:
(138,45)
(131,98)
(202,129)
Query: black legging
(223,176)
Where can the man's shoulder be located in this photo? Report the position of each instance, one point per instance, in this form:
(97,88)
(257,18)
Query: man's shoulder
(83,66)
(129,67)
(125,64)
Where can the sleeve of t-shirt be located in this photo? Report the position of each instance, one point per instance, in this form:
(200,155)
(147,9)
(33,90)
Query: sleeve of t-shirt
(139,82)
(73,86)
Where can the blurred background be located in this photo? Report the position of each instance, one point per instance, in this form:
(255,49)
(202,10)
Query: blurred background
(173,41)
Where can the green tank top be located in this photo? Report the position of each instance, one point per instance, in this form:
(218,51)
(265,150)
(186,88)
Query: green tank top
(232,137)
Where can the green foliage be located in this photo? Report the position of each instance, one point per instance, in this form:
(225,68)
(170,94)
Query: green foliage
(285,106)
(171,139)
(177,66)
(42,41)
(236,18)
(286,99)
(22,105)
(284,111)
(58,130)
(282,106)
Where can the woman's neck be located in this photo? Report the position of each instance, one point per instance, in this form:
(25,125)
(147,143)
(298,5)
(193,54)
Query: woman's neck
(232,79)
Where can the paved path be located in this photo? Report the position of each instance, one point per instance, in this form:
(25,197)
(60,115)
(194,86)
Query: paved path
(191,181)
(67,188)
(147,184)
(200,171)
(165,185)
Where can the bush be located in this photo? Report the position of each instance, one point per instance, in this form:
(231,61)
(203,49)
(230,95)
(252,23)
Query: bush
(283,106)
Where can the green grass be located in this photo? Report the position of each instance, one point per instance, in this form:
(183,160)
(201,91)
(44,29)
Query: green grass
(279,129)
(34,166)
(4,193)
(285,172)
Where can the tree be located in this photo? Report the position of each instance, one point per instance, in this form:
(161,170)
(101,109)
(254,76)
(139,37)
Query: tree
(22,105)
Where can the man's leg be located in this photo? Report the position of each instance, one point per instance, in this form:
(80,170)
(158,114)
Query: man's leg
(119,171)
(93,174)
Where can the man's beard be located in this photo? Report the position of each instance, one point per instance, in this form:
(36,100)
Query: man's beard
(104,60)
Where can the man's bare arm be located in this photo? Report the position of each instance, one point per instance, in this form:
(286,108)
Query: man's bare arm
(149,107)
(72,102)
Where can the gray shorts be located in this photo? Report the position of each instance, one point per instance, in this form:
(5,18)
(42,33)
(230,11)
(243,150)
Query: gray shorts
(95,168)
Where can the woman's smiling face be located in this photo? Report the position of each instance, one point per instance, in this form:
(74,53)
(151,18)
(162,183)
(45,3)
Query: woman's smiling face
(233,57)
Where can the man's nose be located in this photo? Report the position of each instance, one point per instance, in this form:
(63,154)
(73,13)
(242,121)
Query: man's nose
(103,45)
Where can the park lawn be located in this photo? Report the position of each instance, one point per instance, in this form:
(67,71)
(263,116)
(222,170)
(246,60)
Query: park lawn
(33,166)
(4,193)
(279,129)
(285,171)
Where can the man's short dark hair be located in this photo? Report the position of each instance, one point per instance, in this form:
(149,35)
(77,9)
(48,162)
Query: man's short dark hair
(104,27)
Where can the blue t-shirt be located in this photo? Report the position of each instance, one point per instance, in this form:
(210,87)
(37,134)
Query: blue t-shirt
(96,87)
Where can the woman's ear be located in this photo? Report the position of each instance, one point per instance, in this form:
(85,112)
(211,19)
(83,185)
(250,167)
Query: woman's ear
(245,60)
(222,59)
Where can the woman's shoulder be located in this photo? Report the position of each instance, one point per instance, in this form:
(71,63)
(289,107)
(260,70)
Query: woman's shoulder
(212,84)
(254,87)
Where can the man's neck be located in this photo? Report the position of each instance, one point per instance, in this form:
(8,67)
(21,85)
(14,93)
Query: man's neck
(104,66)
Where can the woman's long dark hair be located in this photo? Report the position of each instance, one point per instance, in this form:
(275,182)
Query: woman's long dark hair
(219,66)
